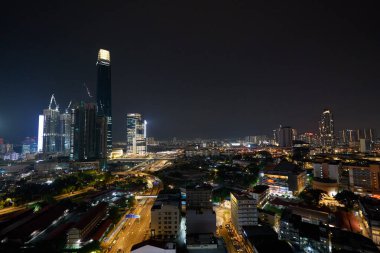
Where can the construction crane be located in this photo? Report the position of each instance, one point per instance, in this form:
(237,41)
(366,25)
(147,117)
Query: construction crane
(68,107)
(88,90)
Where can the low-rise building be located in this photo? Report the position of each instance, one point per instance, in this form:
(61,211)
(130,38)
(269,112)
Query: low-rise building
(82,229)
(363,177)
(261,194)
(284,179)
(321,238)
(153,246)
(204,243)
(263,239)
(370,212)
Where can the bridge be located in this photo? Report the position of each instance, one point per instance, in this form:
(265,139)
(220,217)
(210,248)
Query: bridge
(137,197)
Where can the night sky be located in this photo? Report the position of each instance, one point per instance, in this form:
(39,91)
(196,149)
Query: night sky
(194,68)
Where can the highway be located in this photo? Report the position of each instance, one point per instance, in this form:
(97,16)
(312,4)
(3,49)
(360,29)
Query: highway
(129,232)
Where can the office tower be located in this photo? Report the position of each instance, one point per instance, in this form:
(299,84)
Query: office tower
(65,132)
(285,136)
(243,211)
(326,129)
(136,134)
(83,141)
(51,134)
(103,92)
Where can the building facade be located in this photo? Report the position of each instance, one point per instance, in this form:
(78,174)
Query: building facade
(243,211)
(104,92)
(326,130)
(88,132)
(136,134)
(51,133)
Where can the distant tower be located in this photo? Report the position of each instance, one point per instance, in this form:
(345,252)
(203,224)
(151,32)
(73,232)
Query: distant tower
(136,134)
(65,131)
(51,132)
(103,92)
(326,129)
(285,136)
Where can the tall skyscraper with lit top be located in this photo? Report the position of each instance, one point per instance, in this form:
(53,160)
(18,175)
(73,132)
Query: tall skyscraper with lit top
(103,92)
(326,129)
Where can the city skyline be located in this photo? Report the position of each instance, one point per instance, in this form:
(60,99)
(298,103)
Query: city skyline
(235,72)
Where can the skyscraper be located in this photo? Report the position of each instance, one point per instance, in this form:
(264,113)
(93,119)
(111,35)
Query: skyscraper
(83,140)
(136,134)
(51,133)
(65,131)
(326,129)
(103,92)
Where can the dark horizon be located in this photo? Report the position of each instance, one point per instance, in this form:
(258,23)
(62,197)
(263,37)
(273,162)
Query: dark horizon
(209,69)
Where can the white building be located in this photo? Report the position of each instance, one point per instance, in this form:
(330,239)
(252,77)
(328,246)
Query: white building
(243,211)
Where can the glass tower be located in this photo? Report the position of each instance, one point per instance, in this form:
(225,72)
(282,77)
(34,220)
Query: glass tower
(136,134)
(103,92)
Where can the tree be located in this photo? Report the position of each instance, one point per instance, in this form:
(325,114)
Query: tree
(131,201)
(311,196)
(347,198)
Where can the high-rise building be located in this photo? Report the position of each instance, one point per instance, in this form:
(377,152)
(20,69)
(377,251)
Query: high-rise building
(243,211)
(285,136)
(136,134)
(326,129)
(103,92)
(65,132)
(84,136)
(51,133)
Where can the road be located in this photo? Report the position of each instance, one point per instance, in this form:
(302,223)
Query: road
(223,217)
(135,230)
(129,232)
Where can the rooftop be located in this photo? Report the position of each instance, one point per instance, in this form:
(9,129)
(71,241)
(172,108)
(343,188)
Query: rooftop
(154,243)
(284,168)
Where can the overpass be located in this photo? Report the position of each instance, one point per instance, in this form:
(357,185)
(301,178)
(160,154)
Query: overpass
(137,197)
